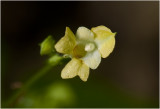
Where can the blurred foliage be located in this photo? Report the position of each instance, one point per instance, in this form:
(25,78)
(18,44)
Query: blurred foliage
(58,94)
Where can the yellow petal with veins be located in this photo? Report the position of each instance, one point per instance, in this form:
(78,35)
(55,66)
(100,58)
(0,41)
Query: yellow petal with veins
(83,72)
(66,43)
(105,40)
(107,46)
(75,67)
(71,69)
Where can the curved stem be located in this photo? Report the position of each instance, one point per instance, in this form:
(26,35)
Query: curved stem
(37,75)
(52,61)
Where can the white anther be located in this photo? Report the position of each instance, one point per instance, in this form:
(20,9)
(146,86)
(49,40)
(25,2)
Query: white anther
(89,47)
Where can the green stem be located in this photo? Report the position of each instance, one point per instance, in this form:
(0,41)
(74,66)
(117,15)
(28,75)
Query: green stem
(53,61)
(24,88)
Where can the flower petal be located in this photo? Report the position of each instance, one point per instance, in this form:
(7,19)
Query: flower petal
(94,29)
(71,69)
(83,72)
(84,33)
(66,43)
(92,59)
(107,46)
(105,40)
(75,67)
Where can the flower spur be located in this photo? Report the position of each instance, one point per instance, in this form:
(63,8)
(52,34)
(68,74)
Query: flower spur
(86,50)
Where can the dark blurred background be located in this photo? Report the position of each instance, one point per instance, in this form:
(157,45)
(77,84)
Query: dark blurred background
(129,77)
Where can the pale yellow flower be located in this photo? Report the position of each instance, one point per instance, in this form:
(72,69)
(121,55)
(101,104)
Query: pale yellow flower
(86,50)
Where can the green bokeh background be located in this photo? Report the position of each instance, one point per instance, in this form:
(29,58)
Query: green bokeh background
(127,78)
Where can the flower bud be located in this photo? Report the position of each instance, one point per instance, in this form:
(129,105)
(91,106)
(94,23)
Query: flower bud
(55,60)
(47,46)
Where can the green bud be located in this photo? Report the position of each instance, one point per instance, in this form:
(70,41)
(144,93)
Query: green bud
(55,60)
(47,46)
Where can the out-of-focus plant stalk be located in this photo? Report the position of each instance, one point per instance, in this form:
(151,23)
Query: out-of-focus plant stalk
(53,61)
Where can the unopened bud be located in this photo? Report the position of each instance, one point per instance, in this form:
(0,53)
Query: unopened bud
(47,46)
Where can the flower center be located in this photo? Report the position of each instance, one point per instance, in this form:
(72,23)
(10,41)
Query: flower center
(81,49)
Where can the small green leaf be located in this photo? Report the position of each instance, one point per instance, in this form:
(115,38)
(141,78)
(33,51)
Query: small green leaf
(47,46)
